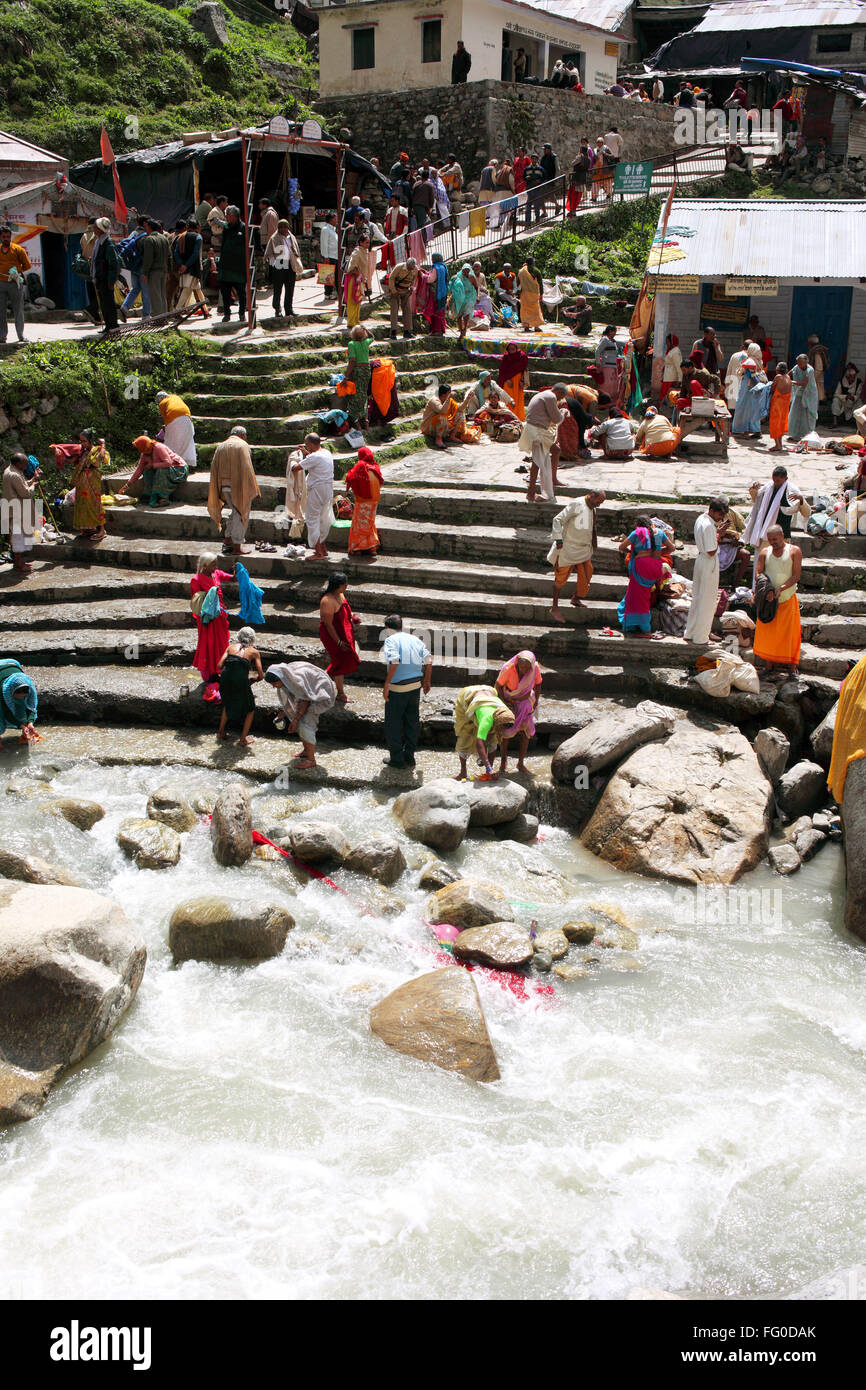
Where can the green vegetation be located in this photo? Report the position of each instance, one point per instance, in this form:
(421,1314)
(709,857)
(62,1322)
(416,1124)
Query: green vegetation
(110,386)
(614,242)
(67,66)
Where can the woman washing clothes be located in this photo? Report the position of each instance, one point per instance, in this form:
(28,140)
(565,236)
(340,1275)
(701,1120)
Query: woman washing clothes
(239,667)
(160,470)
(305,692)
(19,702)
(480,717)
(518,685)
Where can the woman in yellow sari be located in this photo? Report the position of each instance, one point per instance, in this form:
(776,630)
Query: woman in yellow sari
(88,458)
(480,718)
(849,734)
(531,286)
(364,481)
(355,283)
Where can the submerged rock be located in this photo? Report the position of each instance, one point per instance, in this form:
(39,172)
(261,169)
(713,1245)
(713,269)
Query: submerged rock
(438,1018)
(553,942)
(82,814)
(784,859)
(493,803)
(572,972)
(379,857)
(695,810)
(772,748)
(523,829)
(854,830)
(582,932)
(212,929)
(503,945)
(149,844)
(70,964)
(169,805)
(437,875)
(30,868)
(801,790)
(315,841)
(232,827)
(606,741)
(437,814)
(469,903)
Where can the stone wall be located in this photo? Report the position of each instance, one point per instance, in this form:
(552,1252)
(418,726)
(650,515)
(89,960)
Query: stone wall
(479,119)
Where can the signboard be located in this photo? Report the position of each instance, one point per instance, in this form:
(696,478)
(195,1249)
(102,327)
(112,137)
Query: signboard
(752,284)
(311,130)
(633,178)
(611,50)
(724,312)
(307,215)
(278,125)
(677,284)
(603,78)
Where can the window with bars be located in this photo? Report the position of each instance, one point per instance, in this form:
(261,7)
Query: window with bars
(431,41)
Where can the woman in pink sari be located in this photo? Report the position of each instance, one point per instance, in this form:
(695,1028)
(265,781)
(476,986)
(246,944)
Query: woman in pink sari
(213,636)
(518,686)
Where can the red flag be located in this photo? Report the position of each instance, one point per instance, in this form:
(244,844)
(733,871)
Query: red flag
(120,210)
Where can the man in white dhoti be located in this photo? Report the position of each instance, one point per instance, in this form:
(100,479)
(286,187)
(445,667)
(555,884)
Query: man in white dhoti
(733,380)
(544,415)
(705,581)
(776,502)
(318,464)
(178,428)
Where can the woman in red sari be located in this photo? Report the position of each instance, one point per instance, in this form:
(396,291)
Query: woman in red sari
(337,625)
(213,637)
(395,224)
(364,481)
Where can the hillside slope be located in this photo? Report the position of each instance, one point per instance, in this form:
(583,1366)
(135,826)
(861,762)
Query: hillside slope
(67,66)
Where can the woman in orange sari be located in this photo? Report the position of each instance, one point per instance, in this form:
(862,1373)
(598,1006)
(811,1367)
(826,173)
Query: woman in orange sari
(364,481)
(513,376)
(780,404)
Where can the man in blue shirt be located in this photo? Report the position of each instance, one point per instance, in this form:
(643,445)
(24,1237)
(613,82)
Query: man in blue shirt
(410,669)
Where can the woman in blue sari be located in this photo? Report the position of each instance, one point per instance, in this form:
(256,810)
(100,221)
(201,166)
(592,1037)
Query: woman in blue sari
(753,402)
(648,549)
(463,292)
(803,415)
(18,701)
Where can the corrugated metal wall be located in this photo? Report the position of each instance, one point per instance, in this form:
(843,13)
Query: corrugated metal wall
(857,134)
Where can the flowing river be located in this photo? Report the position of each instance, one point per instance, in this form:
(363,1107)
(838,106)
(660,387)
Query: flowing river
(686,1118)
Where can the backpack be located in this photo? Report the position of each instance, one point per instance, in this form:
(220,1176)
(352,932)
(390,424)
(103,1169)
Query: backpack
(130,251)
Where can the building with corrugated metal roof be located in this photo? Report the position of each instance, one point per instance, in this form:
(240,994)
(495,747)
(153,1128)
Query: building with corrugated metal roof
(799,30)
(799,266)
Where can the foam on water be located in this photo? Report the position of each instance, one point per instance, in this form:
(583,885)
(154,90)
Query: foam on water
(690,1125)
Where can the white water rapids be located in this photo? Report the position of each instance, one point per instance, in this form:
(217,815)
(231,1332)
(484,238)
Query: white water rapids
(693,1125)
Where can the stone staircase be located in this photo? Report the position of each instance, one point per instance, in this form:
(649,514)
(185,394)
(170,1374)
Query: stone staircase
(109,629)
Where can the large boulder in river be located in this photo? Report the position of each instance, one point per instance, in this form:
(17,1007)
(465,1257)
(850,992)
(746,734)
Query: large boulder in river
(437,814)
(772,748)
(503,945)
(854,829)
(378,857)
(801,790)
(169,805)
(231,827)
(70,965)
(438,1018)
(212,929)
(606,741)
(317,841)
(30,868)
(469,903)
(695,809)
(822,737)
(80,813)
(148,844)
(493,803)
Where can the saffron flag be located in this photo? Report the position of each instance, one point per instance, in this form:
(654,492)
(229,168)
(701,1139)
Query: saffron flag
(120,210)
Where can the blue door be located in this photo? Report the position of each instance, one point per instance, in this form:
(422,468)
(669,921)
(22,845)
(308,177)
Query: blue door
(825,310)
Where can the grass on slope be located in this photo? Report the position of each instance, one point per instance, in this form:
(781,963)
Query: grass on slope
(67,66)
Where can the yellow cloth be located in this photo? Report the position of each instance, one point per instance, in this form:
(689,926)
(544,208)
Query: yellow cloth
(849,738)
(171,408)
(232,466)
(477,222)
(470,699)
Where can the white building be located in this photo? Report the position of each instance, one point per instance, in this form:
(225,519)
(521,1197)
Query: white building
(398,45)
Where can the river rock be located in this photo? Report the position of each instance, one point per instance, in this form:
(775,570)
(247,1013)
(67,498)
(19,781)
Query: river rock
(315,841)
(801,790)
(523,829)
(800,824)
(149,844)
(83,814)
(784,859)
(437,875)
(30,868)
(493,803)
(438,1018)
(772,748)
(553,941)
(382,902)
(70,964)
(379,857)
(212,929)
(854,831)
(822,737)
(571,972)
(615,937)
(469,903)
(503,945)
(606,741)
(231,827)
(169,806)
(822,821)
(696,810)
(203,802)
(808,842)
(582,932)
(437,814)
